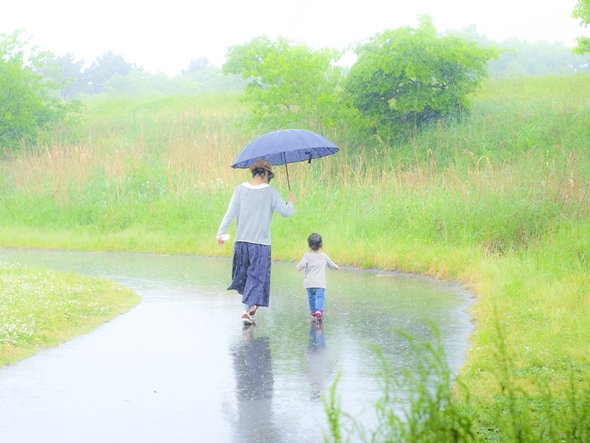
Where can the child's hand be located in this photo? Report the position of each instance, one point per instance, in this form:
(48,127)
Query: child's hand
(336,268)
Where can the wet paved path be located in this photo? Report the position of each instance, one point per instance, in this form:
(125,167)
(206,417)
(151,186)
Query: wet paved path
(179,367)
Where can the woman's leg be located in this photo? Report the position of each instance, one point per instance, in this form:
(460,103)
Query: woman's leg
(240,264)
(257,287)
(245,277)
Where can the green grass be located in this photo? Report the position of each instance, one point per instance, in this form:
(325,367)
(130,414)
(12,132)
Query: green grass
(40,308)
(497,200)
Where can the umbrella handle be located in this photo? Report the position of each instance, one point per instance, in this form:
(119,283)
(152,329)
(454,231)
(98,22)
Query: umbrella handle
(288,183)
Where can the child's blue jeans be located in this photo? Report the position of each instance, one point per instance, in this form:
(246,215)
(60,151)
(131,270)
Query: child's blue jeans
(316,298)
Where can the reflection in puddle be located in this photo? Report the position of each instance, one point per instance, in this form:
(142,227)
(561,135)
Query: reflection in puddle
(254,387)
(316,360)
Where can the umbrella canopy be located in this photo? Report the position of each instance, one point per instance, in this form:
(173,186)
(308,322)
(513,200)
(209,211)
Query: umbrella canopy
(285,146)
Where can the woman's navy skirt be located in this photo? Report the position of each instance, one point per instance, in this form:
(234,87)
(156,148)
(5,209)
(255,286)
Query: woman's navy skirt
(251,273)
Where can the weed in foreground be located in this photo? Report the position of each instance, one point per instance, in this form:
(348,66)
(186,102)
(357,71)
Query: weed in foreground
(415,407)
(430,410)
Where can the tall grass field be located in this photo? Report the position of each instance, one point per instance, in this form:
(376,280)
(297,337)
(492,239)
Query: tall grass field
(497,200)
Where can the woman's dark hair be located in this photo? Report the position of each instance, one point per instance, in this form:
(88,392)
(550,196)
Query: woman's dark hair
(258,171)
(262,171)
(315,241)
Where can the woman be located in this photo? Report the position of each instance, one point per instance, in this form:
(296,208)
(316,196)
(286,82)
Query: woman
(253,205)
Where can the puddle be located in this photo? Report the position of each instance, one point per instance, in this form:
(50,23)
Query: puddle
(179,367)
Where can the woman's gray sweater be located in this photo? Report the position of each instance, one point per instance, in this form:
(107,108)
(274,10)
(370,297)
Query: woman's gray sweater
(253,208)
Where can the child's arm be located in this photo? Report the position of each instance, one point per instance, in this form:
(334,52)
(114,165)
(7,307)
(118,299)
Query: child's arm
(331,264)
(303,263)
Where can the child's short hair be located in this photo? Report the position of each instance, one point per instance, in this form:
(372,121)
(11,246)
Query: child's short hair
(315,241)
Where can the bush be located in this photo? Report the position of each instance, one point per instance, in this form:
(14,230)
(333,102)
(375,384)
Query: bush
(29,99)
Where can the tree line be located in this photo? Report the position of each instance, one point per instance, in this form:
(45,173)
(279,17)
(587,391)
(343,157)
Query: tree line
(402,80)
(110,73)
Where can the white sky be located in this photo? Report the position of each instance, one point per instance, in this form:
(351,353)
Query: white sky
(166,35)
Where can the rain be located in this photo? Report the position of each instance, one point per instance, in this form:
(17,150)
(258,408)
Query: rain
(188,363)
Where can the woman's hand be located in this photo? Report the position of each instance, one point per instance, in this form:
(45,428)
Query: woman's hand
(291,198)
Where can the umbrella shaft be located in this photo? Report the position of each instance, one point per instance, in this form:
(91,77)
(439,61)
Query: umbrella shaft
(288,183)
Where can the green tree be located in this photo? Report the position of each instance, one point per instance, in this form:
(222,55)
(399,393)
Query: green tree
(196,65)
(29,100)
(105,67)
(72,71)
(582,12)
(290,84)
(406,78)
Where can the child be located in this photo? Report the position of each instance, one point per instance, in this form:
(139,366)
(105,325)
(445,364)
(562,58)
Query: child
(314,280)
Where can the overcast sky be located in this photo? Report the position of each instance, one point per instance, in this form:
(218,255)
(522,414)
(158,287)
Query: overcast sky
(166,35)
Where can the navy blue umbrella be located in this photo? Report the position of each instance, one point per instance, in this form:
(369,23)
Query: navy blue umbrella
(285,146)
